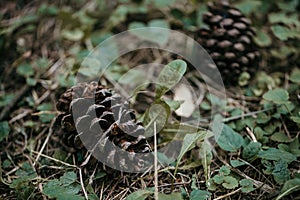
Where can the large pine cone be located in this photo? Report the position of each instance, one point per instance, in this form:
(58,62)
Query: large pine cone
(229,41)
(99,118)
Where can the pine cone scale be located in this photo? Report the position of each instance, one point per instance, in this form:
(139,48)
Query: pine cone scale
(229,41)
(104,121)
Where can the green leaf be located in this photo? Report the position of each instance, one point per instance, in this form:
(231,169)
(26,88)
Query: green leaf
(289,187)
(200,195)
(283,147)
(139,195)
(63,189)
(153,31)
(191,165)
(244,78)
(295,76)
(65,81)
(47,9)
(276,154)
(194,184)
(118,15)
(206,156)
(25,69)
(277,96)
(211,185)
(271,127)
(133,76)
(31,81)
(160,23)
(183,193)
(97,38)
(91,66)
(134,25)
(6,164)
(174,105)
(248,7)
(230,182)
(115,72)
(259,133)
(247,185)
(296,119)
(45,107)
(93,197)
(280,137)
(269,167)
(237,163)
(68,178)
(288,5)
(60,154)
(73,35)
(163,3)
(283,52)
(294,147)
(216,101)
(6,99)
(224,170)
(251,150)
(23,186)
(46,117)
(201,10)
(263,118)
(4,130)
(170,76)
(218,179)
(262,38)
(157,113)
(285,108)
(228,140)
(163,159)
(23,183)
(27,19)
(187,144)
(181,130)
(284,18)
(42,64)
(281,172)
(50,186)
(172,196)
(205,105)
(26,170)
(283,33)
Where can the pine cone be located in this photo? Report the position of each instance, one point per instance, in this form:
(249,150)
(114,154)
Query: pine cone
(229,41)
(105,122)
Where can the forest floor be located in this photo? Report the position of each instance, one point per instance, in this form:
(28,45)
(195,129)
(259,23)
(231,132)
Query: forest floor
(256,155)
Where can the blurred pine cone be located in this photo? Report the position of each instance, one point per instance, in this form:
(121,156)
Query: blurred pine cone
(229,41)
(101,117)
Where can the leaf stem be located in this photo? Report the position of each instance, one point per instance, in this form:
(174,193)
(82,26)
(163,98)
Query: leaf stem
(155,165)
